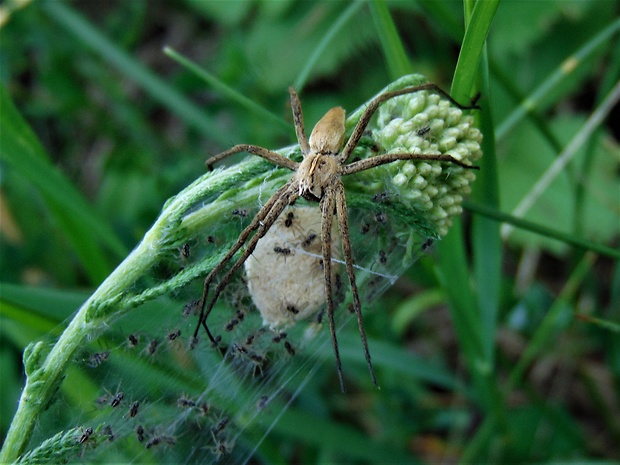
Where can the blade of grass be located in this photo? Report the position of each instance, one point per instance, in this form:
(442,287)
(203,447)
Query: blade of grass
(327,434)
(85,231)
(543,334)
(504,79)
(486,240)
(227,91)
(472,47)
(566,156)
(128,65)
(542,230)
(487,247)
(566,69)
(393,50)
(391,357)
(605,324)
(340,22)
(547,327)
(52,304)
(453,267)
(585,169)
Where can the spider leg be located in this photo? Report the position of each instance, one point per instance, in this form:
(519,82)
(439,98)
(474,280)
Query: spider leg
(373,105)
(378,160)
(243,237)
(261,223)
(343,224)
(327,215)
(273,157)
(298,118)
(286,199)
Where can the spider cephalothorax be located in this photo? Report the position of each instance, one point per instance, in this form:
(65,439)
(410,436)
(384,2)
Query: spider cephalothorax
(317,178)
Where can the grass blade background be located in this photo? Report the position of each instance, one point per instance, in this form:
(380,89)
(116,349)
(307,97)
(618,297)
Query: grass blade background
(100,99)
(22,151)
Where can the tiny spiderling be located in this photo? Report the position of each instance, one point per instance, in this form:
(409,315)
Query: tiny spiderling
(308,240)
(292,309)
(240,212)
(382,197)
(289,348)
(97,359)
(133,341)
(140,433)
(133,410)
(288,222)
(262,402)
(317,178)
(157,440)
(220,448)
(118,398)
(172,335)
(85,435)
(184,402)
(107,431)
(231,324)
(190,308)
(282,250)
(381,217)
(221,425)
(204,408)
(152,347)
(424,130)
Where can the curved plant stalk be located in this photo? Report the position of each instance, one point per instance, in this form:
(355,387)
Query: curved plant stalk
(427,196)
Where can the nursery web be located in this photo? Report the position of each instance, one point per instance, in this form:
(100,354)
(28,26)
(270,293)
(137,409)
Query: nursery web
(142,389)
(155,397)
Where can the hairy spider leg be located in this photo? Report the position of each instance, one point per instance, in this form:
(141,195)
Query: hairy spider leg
(274,158)
(343,225)
(264,219)
(360,127)
(327,213)
(298,118)
(256,221)
(367,163)
(254,150)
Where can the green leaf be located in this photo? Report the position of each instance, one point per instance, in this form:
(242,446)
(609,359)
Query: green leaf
(87,233)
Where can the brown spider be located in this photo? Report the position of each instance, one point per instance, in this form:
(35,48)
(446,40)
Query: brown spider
(316,178)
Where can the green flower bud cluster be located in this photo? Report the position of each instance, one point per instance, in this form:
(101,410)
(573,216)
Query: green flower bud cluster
(426,123)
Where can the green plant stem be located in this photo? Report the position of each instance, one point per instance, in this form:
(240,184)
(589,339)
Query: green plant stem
(183,217)
(340,22)
(478,25)
(542,336)
(540,229)
(43,380)
(557,167)
(227,91)
(398,63)
(567,68)
(44,373)
(91,37)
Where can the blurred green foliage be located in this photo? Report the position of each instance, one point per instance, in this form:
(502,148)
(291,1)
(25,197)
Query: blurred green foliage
(106,127)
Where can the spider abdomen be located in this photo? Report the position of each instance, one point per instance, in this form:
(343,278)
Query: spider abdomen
(328,134)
